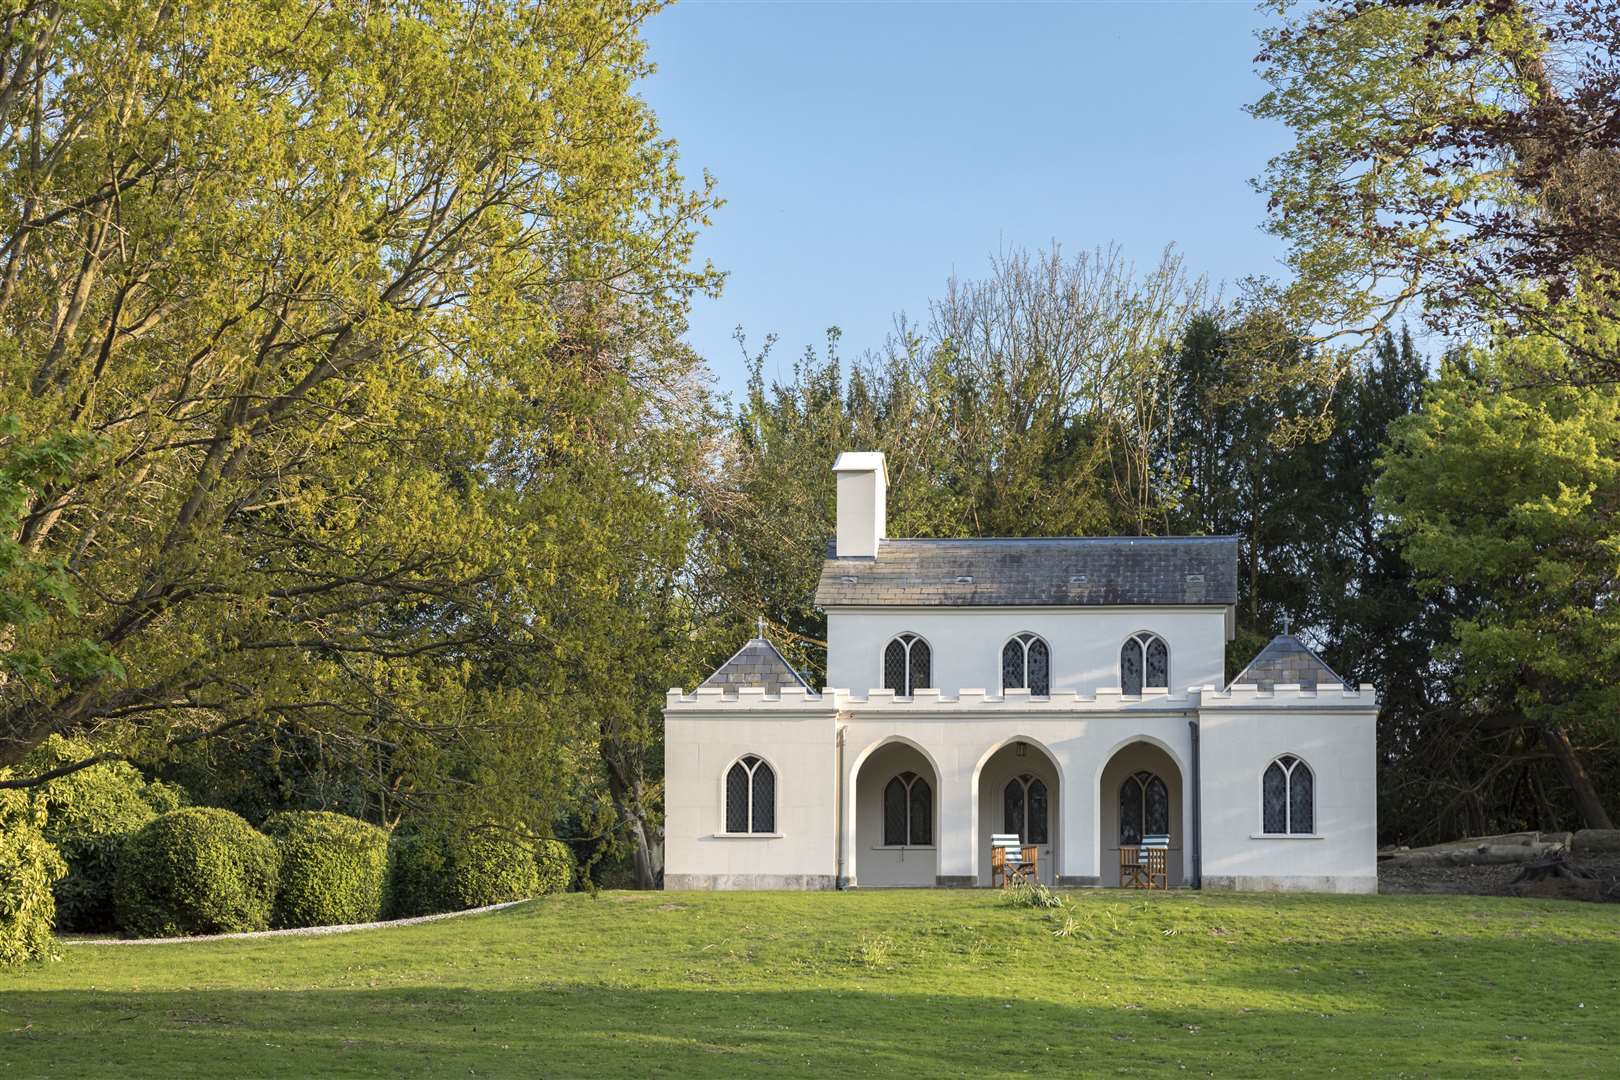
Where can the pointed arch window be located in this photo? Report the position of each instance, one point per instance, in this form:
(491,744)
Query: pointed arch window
(1026,663)
(1144,661)
(908,811)
(1144,808)
(750,796)
(1024,809)
(907,665)
(1287,798)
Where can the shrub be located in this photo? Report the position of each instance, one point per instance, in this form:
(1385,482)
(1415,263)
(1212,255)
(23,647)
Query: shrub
(555,863)
(433,870)
(332,868)
(197,870)
(88,814)
(29,865)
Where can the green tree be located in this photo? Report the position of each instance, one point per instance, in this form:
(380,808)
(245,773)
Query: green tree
(1454,158)
(301,280)
(1507,482)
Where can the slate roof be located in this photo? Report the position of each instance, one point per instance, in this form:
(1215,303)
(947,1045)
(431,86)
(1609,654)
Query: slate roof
(1286,659)
(1067,571)
(756,664)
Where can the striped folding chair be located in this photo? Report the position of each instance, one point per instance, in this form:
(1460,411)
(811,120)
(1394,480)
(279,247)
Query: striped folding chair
(1156,858)
(1007,863)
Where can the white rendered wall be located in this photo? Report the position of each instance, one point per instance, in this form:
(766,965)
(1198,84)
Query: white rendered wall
(966,643)
(1237,745)
(893,865)
(699,749)
(963,748)
(861,513)
(1084,746)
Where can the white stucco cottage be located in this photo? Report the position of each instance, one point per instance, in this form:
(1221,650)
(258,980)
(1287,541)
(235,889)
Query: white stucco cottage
(1068,690)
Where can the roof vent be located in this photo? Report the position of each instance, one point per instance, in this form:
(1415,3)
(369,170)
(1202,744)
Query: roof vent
(848,579)
(1195,579)
(1077,579)
(964,579)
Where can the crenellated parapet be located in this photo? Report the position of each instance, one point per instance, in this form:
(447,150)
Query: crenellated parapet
(979,701)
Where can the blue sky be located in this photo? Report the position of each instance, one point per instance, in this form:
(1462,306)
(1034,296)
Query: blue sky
(869,150)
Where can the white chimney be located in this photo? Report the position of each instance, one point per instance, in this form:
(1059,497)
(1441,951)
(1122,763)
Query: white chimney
(863,486)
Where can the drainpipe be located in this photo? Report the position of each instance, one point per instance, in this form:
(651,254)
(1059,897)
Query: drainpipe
(838,811)
(1197,811)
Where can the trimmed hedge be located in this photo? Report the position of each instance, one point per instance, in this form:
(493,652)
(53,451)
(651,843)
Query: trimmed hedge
(332,868)
(555,863)
(430,871)
(197,870)
(29,864)
(88,814)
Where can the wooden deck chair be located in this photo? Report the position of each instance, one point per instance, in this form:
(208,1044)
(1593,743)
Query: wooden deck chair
(1156,850)
(1132,868)
(1006,859)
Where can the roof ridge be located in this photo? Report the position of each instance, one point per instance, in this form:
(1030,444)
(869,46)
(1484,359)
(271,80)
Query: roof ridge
(1177,539)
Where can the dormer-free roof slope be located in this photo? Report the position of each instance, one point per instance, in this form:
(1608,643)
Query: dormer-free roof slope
(1060,571)
(1288,660)
(756,664)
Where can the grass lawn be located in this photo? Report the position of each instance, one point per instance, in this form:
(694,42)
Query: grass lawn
(866,983)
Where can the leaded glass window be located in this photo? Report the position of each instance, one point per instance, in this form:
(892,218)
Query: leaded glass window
(1040,668)
(1144,660)
(1026,663)
(1012,801)
(908,811)
(1024,809)
(907,665)
(737,798)
(1158,663)
(921,824)
(1288,797)
(764,801)
(1156,808)
(1144,808)
(1130,812)
(1130,667)
(895,811)
(750,797)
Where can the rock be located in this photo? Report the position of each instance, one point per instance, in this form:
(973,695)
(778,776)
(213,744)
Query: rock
(1590,842)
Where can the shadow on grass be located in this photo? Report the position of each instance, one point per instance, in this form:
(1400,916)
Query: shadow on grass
(603,1031)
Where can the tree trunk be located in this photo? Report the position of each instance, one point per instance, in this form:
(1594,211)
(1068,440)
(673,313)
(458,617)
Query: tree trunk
(1593,813)
(628,799)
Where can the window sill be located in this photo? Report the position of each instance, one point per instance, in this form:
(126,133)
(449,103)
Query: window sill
(903,847)
(1287,836)
(748,836)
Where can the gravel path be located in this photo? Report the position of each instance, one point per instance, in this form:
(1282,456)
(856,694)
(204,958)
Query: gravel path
(303,931)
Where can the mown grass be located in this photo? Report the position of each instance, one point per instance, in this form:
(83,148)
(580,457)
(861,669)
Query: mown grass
(871,983)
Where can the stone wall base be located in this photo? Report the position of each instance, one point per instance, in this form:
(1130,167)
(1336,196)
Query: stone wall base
(728,882)
(955,881)
(1079,881)
(1280,883)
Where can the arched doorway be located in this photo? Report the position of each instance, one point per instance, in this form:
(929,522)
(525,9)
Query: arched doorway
(896,818)
(1018,793)
(1140,794)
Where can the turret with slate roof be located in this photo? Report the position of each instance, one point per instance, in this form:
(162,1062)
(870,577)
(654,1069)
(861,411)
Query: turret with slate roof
(757,664)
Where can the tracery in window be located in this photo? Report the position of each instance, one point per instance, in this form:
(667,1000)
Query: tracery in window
(908,811)
(907,665)
(1287,797)
(1144,808)
(1024,806)
(1144,660)
(1026,663)
(750,796)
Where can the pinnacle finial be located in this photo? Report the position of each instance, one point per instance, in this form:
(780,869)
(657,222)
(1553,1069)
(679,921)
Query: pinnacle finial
(1286,622)
(760,622)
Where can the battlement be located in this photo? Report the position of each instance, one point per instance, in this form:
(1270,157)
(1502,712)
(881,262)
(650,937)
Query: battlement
(933,702)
